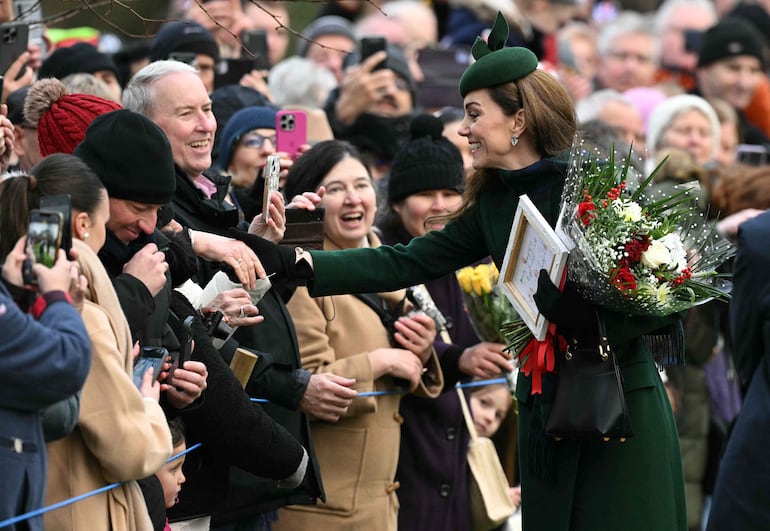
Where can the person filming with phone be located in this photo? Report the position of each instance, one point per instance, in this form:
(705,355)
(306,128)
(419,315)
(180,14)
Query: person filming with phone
(45,356)
(121,432)
(374,103)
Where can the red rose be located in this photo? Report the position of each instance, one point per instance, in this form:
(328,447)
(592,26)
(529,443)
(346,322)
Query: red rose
(624,279)
(584,212)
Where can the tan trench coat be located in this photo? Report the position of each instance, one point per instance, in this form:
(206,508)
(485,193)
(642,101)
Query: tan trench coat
(357,455)
(120,436)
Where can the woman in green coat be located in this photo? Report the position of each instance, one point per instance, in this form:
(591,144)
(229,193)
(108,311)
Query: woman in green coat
(517,120)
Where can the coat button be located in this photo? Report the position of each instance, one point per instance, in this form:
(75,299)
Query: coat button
(451,433)
(444,490)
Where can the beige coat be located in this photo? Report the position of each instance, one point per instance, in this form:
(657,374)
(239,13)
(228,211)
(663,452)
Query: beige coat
(357,455)
(120,436)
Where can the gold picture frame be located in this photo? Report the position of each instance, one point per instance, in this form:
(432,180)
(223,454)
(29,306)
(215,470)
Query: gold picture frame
(532,245)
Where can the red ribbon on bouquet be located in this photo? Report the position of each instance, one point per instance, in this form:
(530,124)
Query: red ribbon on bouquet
(541,355)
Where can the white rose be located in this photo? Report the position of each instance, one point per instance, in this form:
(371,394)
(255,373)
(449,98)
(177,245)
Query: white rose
(656,255)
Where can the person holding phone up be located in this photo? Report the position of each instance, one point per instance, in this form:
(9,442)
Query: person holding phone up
(121,432)
(45,357)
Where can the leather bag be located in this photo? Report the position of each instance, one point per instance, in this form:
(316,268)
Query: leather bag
(490,504)
(589,401)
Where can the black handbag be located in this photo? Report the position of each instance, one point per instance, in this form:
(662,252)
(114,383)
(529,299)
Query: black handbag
(589,402)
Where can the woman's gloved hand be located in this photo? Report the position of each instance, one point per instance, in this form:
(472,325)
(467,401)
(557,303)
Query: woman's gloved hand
(276,259)
(572,314)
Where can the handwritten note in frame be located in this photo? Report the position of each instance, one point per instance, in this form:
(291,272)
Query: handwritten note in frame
(533,245)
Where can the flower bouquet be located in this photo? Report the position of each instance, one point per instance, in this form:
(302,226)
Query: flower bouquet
(487,307)
(634,250)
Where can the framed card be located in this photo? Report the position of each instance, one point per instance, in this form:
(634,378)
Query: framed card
(533,245)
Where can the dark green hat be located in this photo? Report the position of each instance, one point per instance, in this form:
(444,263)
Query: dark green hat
(495,64)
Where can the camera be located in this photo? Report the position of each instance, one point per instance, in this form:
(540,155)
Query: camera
(419,296)
(215,326)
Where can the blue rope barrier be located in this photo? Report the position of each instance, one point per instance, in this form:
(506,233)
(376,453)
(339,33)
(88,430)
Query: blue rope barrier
(404,391)
(59,505)
(42,511)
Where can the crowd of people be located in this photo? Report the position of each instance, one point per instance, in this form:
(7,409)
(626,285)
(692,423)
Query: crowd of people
(175,248)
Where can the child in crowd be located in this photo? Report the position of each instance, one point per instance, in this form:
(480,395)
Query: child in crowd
(490,404)
(171,476)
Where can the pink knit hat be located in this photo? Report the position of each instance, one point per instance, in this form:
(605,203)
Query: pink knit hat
(61,118)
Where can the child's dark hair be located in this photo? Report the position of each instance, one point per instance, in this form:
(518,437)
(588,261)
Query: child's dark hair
(176,427)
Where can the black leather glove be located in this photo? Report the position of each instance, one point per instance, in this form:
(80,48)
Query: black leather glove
(567,309)
(275,258)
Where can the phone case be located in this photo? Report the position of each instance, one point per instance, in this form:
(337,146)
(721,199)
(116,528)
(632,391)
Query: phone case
(255,41)
(290,131)
(370,46)
(272,177)
(61,204)
(14,37)
(154,359)
(304,228)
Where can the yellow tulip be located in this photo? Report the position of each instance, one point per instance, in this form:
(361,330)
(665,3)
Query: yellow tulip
(464,278)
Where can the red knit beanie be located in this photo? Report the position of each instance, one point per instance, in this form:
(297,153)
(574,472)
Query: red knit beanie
(61,118)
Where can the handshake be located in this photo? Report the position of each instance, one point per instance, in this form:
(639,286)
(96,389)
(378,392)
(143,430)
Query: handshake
(285,262)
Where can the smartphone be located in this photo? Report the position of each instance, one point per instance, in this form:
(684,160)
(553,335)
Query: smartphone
(178,359)
(255,41)
(14,37)
(43,241)
(272,179)
(290,132)
(230,71)
(752,154)
(189,58)
(61,204)
(304,228)
(149,357)
(692,41)
(371,45)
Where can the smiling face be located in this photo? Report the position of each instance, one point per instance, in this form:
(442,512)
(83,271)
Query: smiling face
(734,80)
(129,219)
(416,209)
(182,108)
(487,130)
(350,203)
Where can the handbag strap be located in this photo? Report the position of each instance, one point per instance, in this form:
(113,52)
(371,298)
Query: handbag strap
(467,415)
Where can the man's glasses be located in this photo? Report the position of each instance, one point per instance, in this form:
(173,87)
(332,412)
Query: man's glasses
(255,140)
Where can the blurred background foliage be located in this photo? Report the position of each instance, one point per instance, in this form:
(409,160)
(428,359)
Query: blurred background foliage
(132,19)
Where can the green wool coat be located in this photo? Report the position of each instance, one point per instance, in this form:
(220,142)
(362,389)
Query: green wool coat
(597,486)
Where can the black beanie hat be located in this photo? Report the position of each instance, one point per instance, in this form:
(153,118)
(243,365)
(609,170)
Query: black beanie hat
(183,36)
(730,37)
(132,157)
(428,161)
(80,57)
